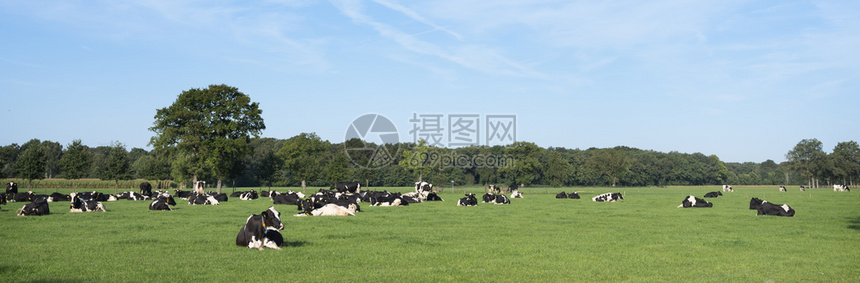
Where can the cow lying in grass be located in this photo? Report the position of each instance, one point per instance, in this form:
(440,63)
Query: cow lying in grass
(607,197)
(692,201)
(469,200)
(713,194)
(767,208)
(330,209)
(37,207)
(262,231)
(78,204)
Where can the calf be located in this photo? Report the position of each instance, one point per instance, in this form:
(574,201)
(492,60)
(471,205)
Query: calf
(611,197)
(767,208)
(728,188)
(713,194)
(469,200)
(162,203)
(37,207)
(262,231)
(691,201)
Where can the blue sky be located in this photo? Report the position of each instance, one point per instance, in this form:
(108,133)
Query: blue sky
(745,80)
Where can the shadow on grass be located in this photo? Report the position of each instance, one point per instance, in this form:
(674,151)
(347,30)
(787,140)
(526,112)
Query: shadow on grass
(295,244)
(854,224)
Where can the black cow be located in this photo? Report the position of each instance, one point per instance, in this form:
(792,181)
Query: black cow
(162,203)
(691,201)
(78,204)
(754,203)
(37,207)
(434,197)
(3,198)
(469,200)
(513,188)
(713,194)
(236,194)
(182,194)
(221,197)
(286,199)
(561,195)
(146,189)
(573,195)
(56,196)
(262,231)
(608,197)
(11,188)
(346,187)
(767,208)
(24,197)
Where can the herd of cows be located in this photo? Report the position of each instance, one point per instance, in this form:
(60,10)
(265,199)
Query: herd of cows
(341,199)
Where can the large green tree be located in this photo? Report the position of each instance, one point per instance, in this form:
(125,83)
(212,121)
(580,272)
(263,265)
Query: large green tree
(209,129)
(846,159)
(417,159)
(612,163)
(76,162)
(558,171)
(526,168)
(53,152)
(304,156)
(116,165)
(806,158)
(31,162)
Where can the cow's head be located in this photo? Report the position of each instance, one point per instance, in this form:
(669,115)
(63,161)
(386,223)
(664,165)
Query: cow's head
(272,219)
(617,196)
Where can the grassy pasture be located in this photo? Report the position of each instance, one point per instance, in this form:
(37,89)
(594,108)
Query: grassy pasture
(538,238)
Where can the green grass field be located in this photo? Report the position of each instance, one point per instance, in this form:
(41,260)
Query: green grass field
(538,238)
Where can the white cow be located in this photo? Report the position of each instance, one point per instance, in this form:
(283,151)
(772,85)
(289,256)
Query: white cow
(728,188)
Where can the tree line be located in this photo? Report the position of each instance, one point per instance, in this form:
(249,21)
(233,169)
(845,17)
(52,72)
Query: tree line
(306,157)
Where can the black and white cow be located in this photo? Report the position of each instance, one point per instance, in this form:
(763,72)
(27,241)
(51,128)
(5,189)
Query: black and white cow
(422,187)
(146,189)
(204,199)
(691,201)
(331,209)
(199,187)
(262,231)
(513,188)
(183,195)
(841,188)
(162,203)
(251,195)
(488,197)
(346,187)
(78,204)
(728,188)
(287,198)
(37,207)
(767,208)
(222,197)
(501,199)
(755,202)
(469,200)
(782,189)
(3,198)
(11,188)
(802,189)
(713,194)
(607,197)
(494,189)
(561,195)
(516,194)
